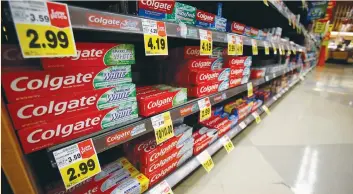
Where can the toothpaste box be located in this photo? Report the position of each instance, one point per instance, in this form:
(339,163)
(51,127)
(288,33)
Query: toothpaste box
(65,129)
(156,176)
(238,62)
(237,28)
(203,138)
(160,6)
(204,64)
(220,24)
(234,82)
(154,103)
(224,126)
(193,52)
(203,77)
(204,19)
(136,184)
(44,110)
(94,55)
(20,86)
(239,72)
(254,32)
(247,31)
(208,88)
(182,13)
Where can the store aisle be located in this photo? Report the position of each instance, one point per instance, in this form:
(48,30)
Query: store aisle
(304,147)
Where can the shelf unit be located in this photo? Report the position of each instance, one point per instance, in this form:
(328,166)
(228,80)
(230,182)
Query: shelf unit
(182,172)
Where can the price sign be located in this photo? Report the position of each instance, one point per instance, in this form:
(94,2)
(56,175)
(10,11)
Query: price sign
(227,143)
(289,21)
(294,49)
(205,42)
(242,125)
(257,117)
(280,49)
(267,78)
(288,50)
(275,98)
(205,108)
(155,37)
(162,188)
(43,29)
(267,49)
(163,127)
(250,89)
(205,159)
(266,109)
(238,45)
(274,48)
(274,75)
(265,2)
(231,44)
(254,47)
(77,162)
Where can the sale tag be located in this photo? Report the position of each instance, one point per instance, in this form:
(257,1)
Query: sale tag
(267,49)
(267,78)
(205,159)
(275,97)
(294,49)
(231,44)
(162,188)
(266,109)
(265,2)
(205,109)
(289,21)
(250,89)
(288,50)
(43,29)
(227,143)
(77,162)
(280,49)
(257,117)
(163,127)
(238,45)
(254,47)
(274,48)
(242,125)
(155,37)
(205,42)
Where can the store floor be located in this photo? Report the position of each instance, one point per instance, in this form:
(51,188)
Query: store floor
(304,147)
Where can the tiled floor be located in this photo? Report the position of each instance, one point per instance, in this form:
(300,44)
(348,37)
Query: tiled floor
(304,147)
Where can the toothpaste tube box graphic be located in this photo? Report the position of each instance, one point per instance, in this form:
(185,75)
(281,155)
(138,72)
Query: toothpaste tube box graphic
(207,89)
(203,77)
(238,62)
(182,13)
(94,55)
(239,72)
(20,86)
(152,14)
(220,24)
(204,19)
(237,28)
(176,154)
(134,185)
(169,167)
(62,130)
(154,103)
(12,60)
(44,110)
(234,82)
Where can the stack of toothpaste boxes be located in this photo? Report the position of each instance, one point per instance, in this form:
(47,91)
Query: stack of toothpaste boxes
(157,161)
(239,69)
(72,96)
(119,176)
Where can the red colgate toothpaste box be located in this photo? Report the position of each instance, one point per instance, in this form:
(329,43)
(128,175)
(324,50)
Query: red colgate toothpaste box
(20,86)
(169,167)
(162,6)
(203,138)
(203,64)
(237,27)
(203,77)
(204,19)
(254,32)
(62,130)
(94,54)
(238,62)
(176,154)
(208,88)
(223,126)
(192,52)
(234,82)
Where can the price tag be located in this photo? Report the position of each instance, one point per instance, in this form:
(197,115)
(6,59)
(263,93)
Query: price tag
(205,109)
(205,159)
(77,162)
(242,125)
(155,37)
(275,98)
(163,127)
(254,47)
(250,89)
(265,2)
(294,49)
(280,49)
(231,44)
(162,188)
(274,75)
(227,143)
(267,78)
(288,50)
(257,117)
(267,49)
(43,29)
(205,42)
(274,48)
(289,21)
(238,45)
(266,109)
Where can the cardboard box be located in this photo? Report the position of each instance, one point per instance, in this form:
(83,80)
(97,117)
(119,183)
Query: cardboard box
(207,89)
(203,77)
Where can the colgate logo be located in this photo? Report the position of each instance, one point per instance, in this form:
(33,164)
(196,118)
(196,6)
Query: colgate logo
(162,151)
(119,137)
(254,31)
(237,61)
(53,83)
(204,16)
(208,89)
(161,163)
(160,6)
(201,64)
(164,172)
(235,81)
(61,130)
(93,53)
(208,76)
(236,71)
(238,27)
(193,52)
(143,146)
(158,103)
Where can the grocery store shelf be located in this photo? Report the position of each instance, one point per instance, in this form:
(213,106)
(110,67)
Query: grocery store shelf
(187,168)
(82,18)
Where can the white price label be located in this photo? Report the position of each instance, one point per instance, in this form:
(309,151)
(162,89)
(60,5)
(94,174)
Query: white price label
(267,78)
(162,188)
(242,125)
(205,159)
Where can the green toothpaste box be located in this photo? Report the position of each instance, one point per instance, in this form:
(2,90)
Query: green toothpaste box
(182,13)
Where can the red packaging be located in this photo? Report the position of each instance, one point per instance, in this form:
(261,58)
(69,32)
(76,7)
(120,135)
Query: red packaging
(204,64)
(203,77)
(254,31)
(12,60)
(207,88)
(137,149)
(204,134)
(237,62)
(165,6)
(257,73)
(191,52)
(144,93)
(238,28)
(223,126)
(205,16)
(210,123)
(234,82)
(236,72)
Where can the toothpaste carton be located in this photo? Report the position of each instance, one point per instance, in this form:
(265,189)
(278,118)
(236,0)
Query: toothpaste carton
(207,89)
(238,62)
(20,86)
(254,32)
(220,24)
(182,13)
(237,28)
(94,55)
(247,31)
(234,82)
(44,110)
(204,19)
(65,129)
(204,64)
(203,138)
(239,72)
(204,77)
(136,184)
(191,52)
(160,6)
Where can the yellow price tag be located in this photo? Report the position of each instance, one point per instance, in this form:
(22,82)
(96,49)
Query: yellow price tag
(274,48)
(290,22)
(265,2)
(238,45)
(254,47)
(205,159)
(205,109)
(42,34)
(163,127)
(257,117)
(267,49)
(231,44)
(266,109)
(294,50)
(250,89)
(205,42)
(227,143)
(155,37)
(77,162)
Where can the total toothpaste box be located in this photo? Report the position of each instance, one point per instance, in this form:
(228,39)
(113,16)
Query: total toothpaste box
(44,110)
(234,82)
(238,62)
(220,24)
(204,19)
(31,85)
(237,28)
(239,72)
(204,77)
(62,130)
(94,55)
(208,88)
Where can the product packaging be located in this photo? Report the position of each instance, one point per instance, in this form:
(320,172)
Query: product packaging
(136,184)
(203,77)
(237,28)
(182,13)
(203,138)
(204,19)
(207,88)
(220,24)
(238,62)
(234,82)
(193,52)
